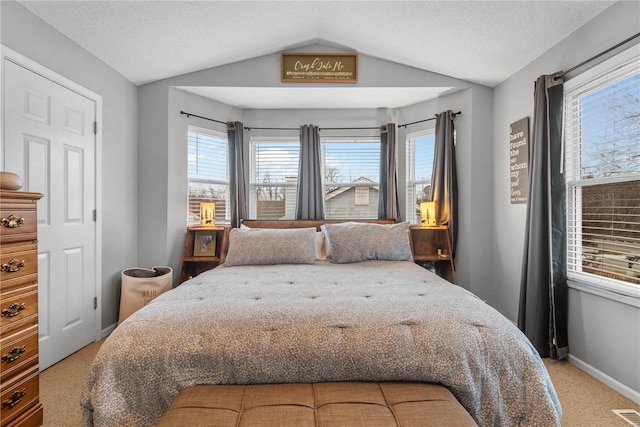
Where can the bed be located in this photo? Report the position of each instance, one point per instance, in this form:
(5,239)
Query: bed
(276,311)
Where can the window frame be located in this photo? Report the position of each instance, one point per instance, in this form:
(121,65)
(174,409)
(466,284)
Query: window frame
(411,181)
(323,160)
(253,184)
(614,289)
(220,135)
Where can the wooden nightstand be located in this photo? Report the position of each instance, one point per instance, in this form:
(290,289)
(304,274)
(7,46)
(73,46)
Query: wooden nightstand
(208,253)
(431,245)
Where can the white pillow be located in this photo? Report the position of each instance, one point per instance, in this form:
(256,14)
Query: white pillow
(321,248)
(353,242)
(261,246)
(327,246)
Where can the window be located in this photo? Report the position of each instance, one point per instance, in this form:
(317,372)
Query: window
(602,161)
(274,178)
(207,173)
(362,196)
(420,149)
(351,176)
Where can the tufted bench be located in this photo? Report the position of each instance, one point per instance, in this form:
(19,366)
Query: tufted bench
(330,404)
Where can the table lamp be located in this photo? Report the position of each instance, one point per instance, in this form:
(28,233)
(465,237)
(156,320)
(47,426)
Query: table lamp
(207,213)
(428,214)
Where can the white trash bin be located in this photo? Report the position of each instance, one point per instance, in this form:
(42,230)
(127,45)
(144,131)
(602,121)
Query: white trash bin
(140,286)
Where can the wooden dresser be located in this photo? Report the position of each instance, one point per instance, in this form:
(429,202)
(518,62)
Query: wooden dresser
(19,382)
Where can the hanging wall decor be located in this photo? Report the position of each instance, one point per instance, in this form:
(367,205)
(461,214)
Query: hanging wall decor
(299,67)
(519,160)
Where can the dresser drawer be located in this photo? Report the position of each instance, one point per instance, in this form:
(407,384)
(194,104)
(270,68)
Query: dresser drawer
(18,352)
(16,306)
(32,417)
(18,265)
(17,223)
(19,394)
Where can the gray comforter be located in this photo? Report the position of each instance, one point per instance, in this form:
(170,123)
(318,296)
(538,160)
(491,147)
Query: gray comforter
(368,321)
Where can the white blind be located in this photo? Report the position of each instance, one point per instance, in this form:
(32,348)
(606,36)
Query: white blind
(420,152)
(349,164)
(274,178)
(602,161)
(207,173)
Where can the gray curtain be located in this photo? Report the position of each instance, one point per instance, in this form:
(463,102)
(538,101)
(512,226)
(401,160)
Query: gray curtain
(542,313)
(444,180)
(388,207)
(310,200)
(237,176)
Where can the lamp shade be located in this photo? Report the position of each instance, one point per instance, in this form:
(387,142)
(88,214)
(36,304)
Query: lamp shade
(207,213)
(428,213)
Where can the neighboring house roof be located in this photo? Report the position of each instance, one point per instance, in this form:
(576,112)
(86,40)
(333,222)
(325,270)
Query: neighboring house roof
(333,193)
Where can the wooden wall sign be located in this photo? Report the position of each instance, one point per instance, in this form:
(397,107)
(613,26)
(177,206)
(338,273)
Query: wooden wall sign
(519,160)
(319,67)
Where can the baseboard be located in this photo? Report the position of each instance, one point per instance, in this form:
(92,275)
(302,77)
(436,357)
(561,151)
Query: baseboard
(107,331)
(624,390)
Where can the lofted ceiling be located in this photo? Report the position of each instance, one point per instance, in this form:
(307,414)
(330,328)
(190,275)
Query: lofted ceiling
(483,42)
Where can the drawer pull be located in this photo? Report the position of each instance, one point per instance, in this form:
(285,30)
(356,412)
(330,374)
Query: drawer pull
(14,354)
(15,398)
(13,265)
(13,310)
(12,221)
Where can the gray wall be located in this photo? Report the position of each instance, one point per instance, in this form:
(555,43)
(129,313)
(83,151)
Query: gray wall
(26,34)
(162,176)
(162,180)
(474,162)
(603,334)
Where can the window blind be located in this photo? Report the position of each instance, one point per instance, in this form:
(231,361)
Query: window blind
(420,152)
(350,164)
(602,163)
(207,174)
(274,178)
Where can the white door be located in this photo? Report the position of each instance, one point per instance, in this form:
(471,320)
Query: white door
(50,142)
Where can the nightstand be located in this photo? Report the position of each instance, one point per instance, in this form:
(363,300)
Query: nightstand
(203,246)
(432,245)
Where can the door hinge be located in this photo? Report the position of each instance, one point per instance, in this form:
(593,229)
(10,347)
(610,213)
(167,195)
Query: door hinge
(95,303)
(95,128)
(95,215)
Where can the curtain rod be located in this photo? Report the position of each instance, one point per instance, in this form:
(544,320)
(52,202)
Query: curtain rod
(363,128)
(355,128)
(425,120)
(593,58)
(200,117)
(250,128)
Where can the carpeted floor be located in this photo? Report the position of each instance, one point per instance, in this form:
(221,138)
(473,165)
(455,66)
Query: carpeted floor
(61,385)
(585,401)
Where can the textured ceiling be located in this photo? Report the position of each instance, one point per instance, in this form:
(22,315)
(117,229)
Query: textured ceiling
(479,41)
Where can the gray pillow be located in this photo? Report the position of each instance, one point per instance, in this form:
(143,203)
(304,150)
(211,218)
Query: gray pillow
(353,242)
(260,246)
